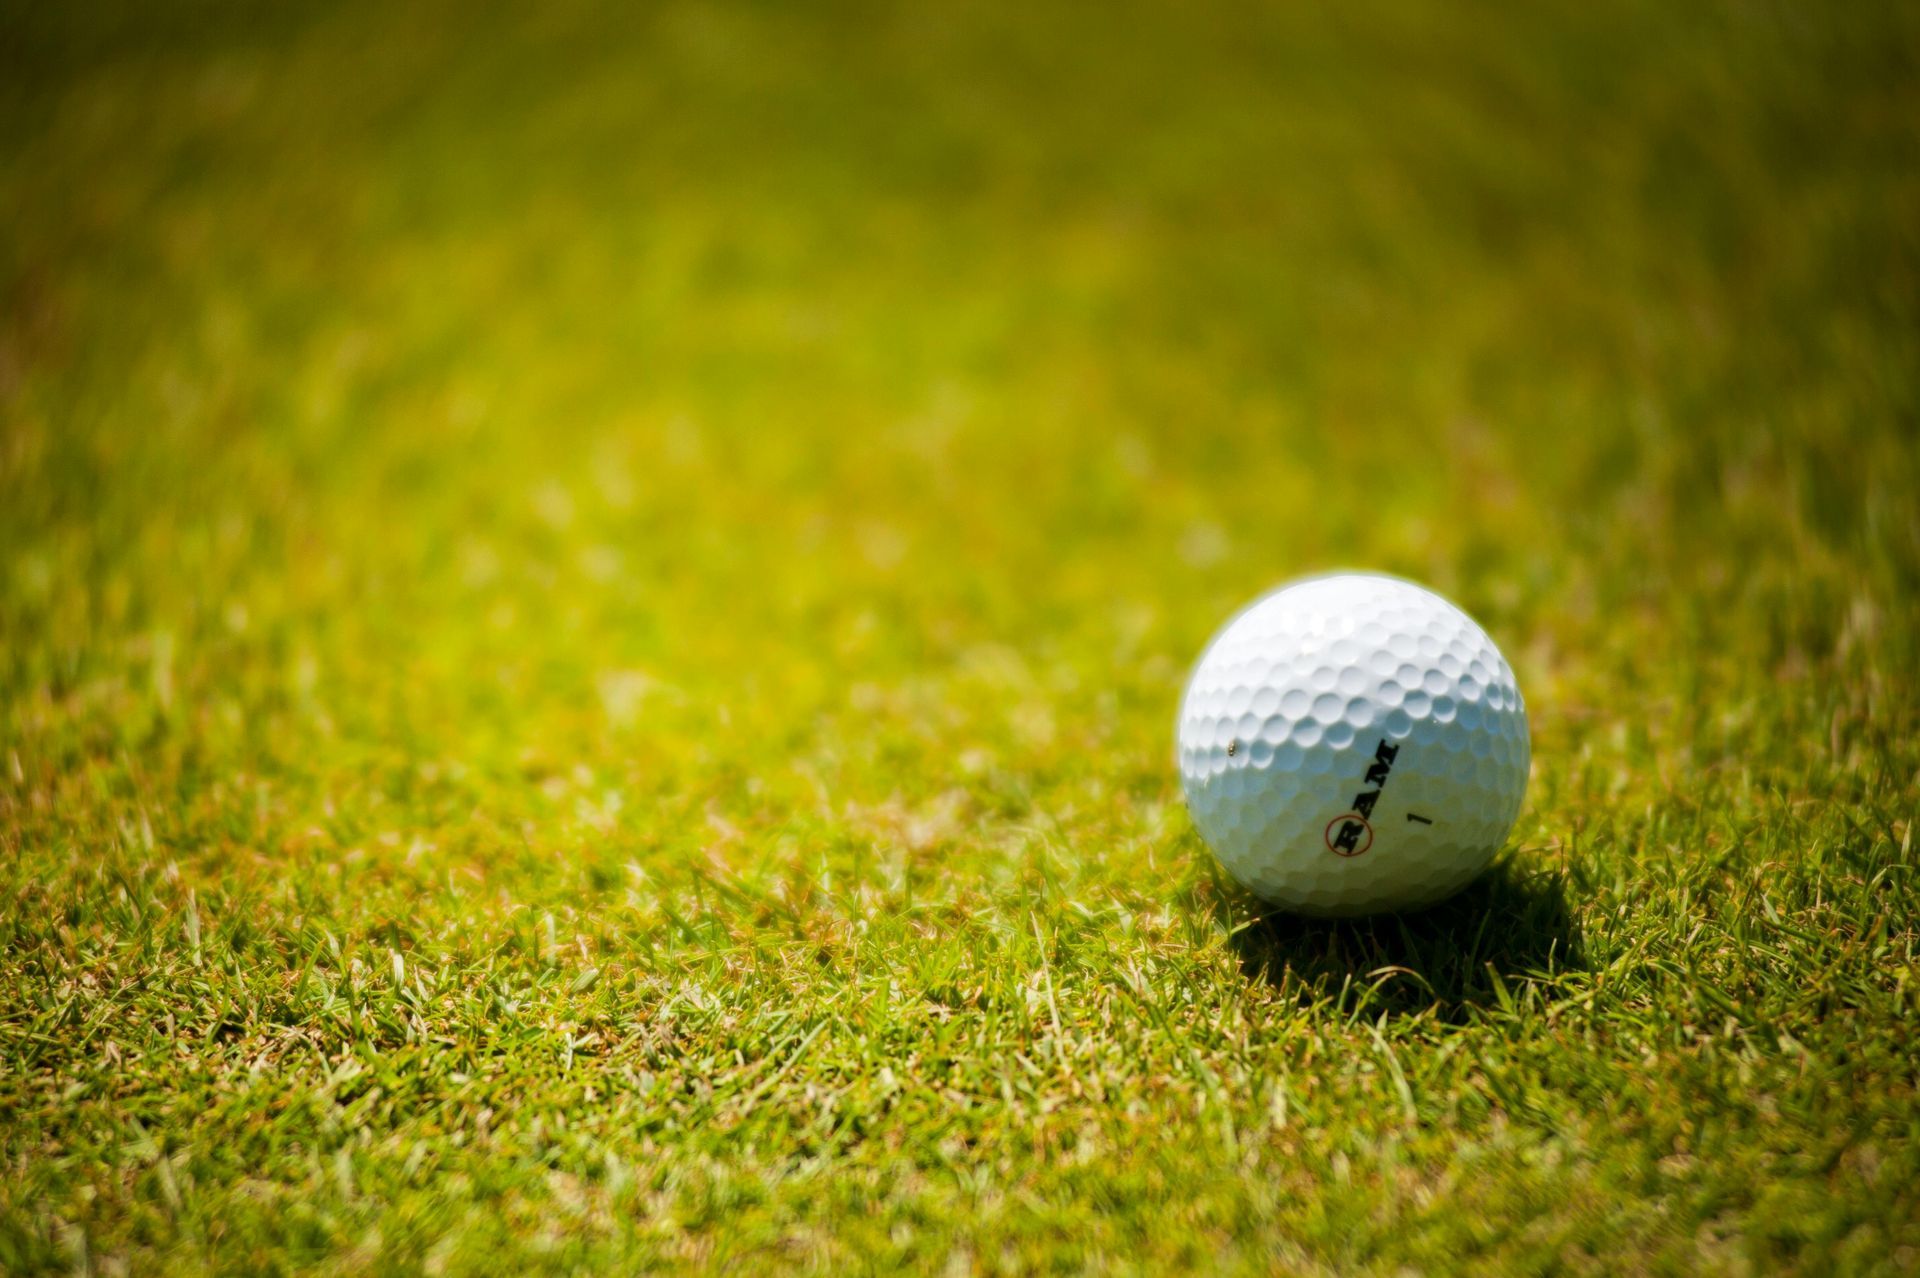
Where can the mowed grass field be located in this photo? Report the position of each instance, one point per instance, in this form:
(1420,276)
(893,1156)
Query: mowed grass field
(592,600)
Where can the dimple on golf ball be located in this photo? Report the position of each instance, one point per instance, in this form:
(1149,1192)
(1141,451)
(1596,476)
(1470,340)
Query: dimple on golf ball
(1352,744)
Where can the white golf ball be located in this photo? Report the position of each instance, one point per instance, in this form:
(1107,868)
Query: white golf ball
(1351,744)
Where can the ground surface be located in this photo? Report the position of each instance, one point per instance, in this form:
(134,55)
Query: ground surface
(591,603)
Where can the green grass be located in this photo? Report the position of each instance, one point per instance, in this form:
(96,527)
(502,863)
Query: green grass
(591,606)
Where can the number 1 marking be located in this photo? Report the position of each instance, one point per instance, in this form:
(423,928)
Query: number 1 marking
(1422,820)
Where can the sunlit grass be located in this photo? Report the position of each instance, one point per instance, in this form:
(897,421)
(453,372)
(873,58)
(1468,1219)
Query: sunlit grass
(591,607)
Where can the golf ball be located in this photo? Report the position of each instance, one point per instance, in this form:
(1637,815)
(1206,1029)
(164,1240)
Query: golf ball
(1351,744)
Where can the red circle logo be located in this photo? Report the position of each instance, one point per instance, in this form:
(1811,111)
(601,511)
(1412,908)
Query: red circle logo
(1344,839)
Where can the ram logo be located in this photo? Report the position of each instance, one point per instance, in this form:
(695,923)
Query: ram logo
(1351,833)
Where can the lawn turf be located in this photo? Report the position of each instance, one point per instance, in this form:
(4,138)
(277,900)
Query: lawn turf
(592,598)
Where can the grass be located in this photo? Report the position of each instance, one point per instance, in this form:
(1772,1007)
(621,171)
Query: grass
(591,602)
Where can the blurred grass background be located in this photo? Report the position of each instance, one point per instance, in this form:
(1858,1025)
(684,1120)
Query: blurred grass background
(592,597)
